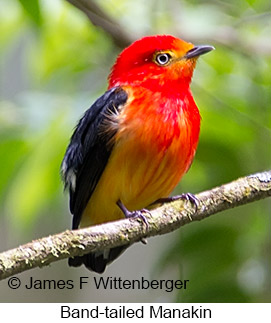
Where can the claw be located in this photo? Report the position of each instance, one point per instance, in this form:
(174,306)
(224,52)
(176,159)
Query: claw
(186,196)
(144,240)
(133,214)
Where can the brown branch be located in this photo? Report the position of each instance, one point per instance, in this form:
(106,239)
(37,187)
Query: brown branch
(226,36)
(164,219)
(100,18)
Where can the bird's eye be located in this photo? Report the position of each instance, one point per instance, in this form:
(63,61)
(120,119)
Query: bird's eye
(162,59)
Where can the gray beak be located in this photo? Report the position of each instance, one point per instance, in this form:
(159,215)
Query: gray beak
(198,50)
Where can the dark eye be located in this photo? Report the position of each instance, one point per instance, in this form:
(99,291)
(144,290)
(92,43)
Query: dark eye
(162,58)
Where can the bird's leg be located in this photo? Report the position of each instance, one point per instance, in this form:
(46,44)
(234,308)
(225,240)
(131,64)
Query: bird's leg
(134,214)
(185,196)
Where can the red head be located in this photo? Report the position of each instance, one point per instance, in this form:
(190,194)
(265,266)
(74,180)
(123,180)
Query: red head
(156,62)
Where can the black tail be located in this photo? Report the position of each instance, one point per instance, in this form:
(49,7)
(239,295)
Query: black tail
(97,261)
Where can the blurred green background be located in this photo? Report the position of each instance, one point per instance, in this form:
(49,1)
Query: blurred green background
(54,63)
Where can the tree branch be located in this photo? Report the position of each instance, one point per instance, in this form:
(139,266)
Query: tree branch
(226,36)
(100,18)
(161,220)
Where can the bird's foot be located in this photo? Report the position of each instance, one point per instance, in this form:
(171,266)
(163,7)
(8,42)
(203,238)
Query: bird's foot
(134,214)
(185,196)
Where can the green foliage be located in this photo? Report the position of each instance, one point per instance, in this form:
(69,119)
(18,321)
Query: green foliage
(37,182)
(49,77)
(32,9)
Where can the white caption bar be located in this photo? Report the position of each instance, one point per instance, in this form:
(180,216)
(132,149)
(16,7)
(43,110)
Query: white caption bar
(137,312)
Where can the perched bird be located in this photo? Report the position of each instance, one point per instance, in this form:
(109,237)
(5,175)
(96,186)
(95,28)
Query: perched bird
(133,145)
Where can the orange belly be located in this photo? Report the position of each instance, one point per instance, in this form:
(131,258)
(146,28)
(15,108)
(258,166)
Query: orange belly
(148,160)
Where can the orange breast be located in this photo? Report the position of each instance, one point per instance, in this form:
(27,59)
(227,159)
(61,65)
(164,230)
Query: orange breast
(154,147)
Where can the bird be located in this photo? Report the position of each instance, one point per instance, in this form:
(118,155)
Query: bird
(133,145)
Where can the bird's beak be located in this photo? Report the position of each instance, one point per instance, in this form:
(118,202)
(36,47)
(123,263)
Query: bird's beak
(198,50)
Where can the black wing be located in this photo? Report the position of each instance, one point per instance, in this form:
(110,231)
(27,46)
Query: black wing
(89,150)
